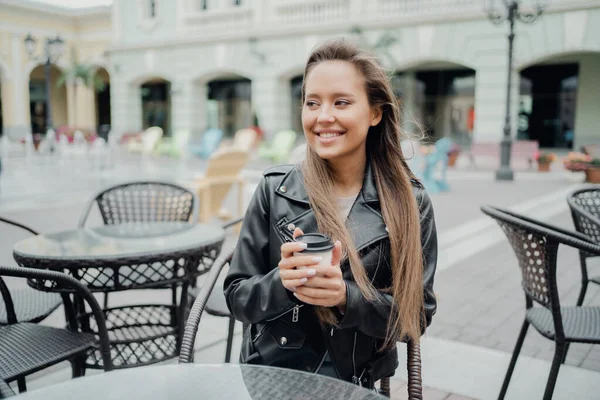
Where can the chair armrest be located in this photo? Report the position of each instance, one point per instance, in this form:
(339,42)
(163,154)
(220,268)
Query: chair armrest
(562,236)
(11,315)
(232,223)
(18,225)
(415,383)
(80,289)
(186,355)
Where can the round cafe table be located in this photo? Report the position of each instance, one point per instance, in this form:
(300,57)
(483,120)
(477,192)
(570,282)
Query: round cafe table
(122,257)
(207,382)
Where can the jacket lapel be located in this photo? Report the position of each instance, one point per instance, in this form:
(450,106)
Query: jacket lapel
(364,222)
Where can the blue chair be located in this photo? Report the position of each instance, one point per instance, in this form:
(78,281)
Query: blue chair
(434,161)
(209,143)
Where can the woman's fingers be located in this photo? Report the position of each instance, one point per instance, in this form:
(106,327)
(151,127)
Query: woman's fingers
(299,261)
(288,249)
(293,284)
(297,273)
(297,232)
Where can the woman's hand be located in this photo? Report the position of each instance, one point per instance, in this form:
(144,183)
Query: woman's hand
(327,287)
(291,277)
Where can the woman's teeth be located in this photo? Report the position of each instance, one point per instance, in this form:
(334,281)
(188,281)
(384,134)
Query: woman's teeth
(329,135)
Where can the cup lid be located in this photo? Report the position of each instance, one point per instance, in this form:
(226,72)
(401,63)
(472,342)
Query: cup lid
(316,242)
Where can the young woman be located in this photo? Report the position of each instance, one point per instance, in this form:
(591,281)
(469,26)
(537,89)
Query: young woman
(341,320)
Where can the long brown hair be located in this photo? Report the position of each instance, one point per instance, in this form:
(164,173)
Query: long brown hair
(398,204)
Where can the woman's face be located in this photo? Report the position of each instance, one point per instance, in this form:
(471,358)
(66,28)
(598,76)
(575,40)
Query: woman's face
(336,114)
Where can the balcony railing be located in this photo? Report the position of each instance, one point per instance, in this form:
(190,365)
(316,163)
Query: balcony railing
(260,14)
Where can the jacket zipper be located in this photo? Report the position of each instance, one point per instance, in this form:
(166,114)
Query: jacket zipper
(295,308)
(321,363)
(355,379)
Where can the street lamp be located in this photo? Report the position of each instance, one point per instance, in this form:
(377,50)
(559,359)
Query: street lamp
(53,50)
(511,14)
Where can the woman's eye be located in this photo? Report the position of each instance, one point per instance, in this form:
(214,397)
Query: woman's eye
(342,103)
(311,103)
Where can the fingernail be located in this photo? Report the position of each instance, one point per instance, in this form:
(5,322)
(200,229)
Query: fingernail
(302,245)
(317,259)
(311,272)
(303,280)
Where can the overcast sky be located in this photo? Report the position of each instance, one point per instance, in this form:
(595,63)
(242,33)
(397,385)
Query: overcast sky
(76,3)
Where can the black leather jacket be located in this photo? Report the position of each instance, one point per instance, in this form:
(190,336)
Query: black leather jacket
(280,330)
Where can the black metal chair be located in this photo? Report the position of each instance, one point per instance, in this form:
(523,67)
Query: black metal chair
(186,356)
(536,246)
(217,306)
(30,305)
(144,201)
(5,390)
(585,210)
(26,348)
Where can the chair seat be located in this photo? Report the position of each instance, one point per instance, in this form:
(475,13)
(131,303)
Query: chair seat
(5,390)
(216,304)
(581,324)
(30,305)
(26,348)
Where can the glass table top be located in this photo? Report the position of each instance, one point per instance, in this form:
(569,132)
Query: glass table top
(116,241)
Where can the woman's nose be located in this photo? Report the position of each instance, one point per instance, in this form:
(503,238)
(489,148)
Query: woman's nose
(325,117)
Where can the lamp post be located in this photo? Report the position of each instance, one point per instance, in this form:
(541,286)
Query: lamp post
(511,14)
(53,50)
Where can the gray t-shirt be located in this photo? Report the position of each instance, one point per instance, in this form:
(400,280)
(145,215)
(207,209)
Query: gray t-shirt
(344,205)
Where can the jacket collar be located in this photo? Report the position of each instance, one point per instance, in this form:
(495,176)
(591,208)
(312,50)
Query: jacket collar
(292,186)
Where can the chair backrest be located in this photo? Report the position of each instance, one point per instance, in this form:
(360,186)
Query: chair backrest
(186,355)
(244,139)
(146,201)
(210,141)
(150,137)
(443,145)
(536,255)
(585,210)
(223,170)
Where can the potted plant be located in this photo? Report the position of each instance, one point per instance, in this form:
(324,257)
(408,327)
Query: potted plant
(453,154)
(592,172)
(544,160)
(576,162)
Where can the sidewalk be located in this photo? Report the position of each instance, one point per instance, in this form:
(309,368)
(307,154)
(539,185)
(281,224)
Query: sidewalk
(481,303)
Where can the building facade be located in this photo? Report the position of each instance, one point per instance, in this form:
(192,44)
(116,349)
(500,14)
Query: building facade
(87,37)
(196,64)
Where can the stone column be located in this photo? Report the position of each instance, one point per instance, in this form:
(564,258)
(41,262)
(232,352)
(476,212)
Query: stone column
(183,106)
(490,100)
(271,99)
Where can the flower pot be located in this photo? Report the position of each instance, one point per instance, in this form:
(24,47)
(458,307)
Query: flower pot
(543,167)
(452,159)
(592,175)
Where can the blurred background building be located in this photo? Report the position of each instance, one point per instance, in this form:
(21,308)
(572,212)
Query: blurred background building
(197,64)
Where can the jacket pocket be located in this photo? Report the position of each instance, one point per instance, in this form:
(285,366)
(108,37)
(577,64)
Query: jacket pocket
(281,345)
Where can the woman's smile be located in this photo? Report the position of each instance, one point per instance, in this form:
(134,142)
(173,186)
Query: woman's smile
(327,136)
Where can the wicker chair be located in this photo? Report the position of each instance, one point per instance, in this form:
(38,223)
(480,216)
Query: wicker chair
(585,210)
(144,201)
(26,348)
(415,390)
(30,305)
(5,390)
(536,246)
(217,306)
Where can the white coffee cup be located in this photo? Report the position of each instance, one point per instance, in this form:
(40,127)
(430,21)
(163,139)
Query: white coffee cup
(317,245)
